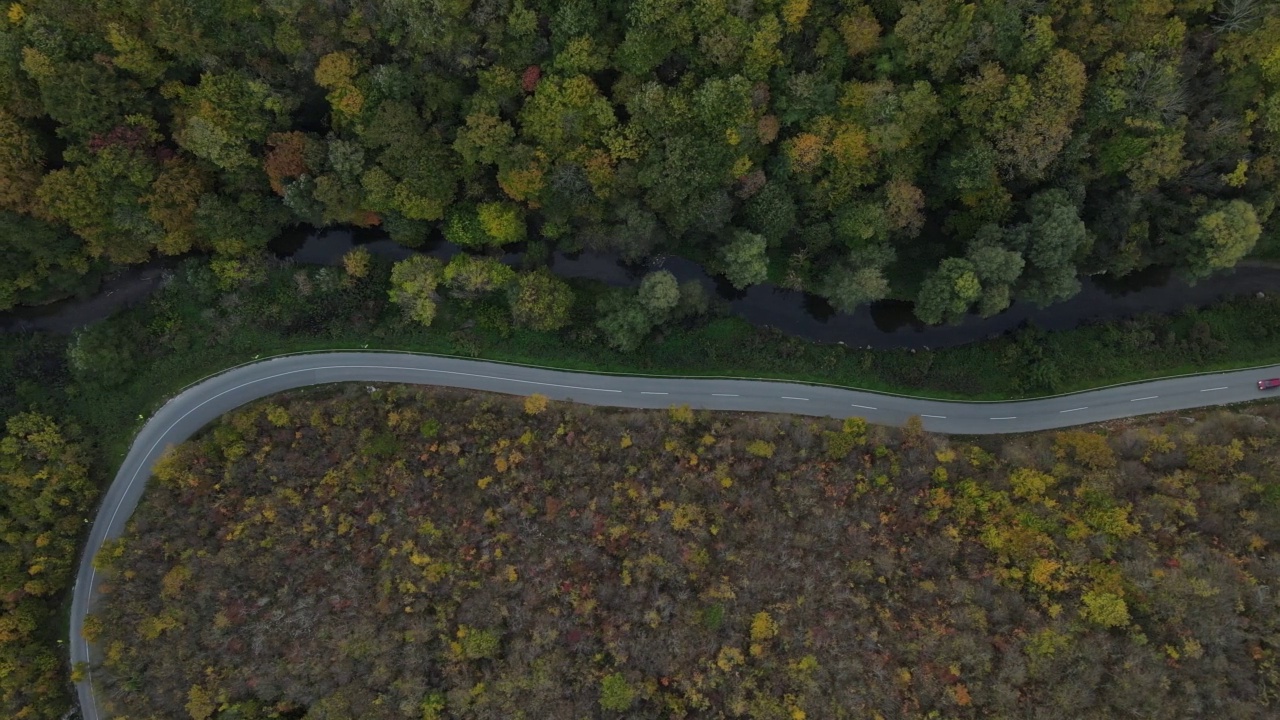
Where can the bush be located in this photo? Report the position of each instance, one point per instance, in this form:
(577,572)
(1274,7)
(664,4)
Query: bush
(615,693)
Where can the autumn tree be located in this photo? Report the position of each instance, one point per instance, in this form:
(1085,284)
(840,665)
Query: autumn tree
(173,202)
(45,493)
(357,262)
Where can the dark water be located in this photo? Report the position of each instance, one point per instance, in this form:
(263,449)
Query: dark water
(885,324)
(123,288)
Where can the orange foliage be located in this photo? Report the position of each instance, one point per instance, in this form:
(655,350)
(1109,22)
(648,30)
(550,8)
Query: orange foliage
(522,184)
(1090,449)
(285,158)
(805,151)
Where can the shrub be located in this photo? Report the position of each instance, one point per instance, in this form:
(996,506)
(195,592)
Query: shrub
(615,693)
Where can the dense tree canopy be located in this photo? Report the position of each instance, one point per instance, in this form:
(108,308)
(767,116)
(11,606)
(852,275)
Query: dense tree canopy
(910,129)
(406,553)
(44,492)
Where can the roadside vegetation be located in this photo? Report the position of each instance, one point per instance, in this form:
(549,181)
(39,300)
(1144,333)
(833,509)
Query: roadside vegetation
(92,391)
(414,553)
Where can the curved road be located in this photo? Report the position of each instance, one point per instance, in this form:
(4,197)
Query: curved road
(199,404)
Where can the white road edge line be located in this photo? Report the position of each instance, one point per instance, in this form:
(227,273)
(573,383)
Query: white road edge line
(1212,389)
(644,392)
(1149,397)
(940,417)
(1086,407)
(723,395)
(1011,417)
(785,397)
(864,407)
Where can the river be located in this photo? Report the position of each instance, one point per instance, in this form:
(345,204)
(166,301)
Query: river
(885,324)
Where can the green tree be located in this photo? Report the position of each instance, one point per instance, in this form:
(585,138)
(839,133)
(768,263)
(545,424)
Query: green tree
(566,113)
(694,300)
(462,227)
(503,223)
(45,494)
(743,259)
(84,98)
(935,34)
(225,118)
(615,693)
(997,268)
(1105,609)
(484,140)
(948,292)
(37,260)
(659,293)
(1222,237)
(472,276)
(541,301)
(846,287)
(413,287)
(624,322)
(771,212)
(101,195)
(1054,240)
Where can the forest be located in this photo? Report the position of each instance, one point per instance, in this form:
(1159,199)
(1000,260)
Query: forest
(401,552)
(962,155)
(45,492)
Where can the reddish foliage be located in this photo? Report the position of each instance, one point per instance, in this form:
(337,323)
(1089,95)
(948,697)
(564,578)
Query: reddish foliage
(285,158)
(529,81)
(751,183)
(131,137)
(368,219)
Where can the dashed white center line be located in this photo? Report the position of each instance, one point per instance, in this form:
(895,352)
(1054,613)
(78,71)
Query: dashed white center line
(723,395)
(1086,407)
(784,397)
(1011,417)
(1212,389)
(940,417)
(1149,397)
(645,392)
(864,407)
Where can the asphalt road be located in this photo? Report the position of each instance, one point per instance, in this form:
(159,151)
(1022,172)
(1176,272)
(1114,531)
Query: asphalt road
(200,404)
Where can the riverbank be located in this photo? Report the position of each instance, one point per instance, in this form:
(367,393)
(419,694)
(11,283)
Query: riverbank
(884,325)
(139,357)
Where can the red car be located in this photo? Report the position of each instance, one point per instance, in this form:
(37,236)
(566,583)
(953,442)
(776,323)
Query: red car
(1268,384)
